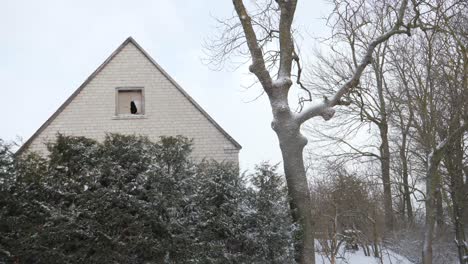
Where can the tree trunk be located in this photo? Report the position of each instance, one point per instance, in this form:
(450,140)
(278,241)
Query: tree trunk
(465,191)
(459,230)
(430,219)
(292,144)
(454,165)
(385,167)
(432,185)
(439,210)
(376,240)
(384,145)
(406,189)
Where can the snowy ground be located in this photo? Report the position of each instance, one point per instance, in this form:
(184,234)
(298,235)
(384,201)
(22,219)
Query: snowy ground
(357,257)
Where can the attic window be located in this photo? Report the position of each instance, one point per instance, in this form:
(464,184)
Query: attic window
(129,101)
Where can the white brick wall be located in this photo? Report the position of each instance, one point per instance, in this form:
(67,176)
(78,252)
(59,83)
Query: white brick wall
(167,111)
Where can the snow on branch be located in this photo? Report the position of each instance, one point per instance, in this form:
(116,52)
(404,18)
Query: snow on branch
(288,9)
(258,62)
(325,109)
(434,155)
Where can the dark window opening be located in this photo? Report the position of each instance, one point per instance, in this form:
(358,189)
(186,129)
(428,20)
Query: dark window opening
(133,108)
(130,102)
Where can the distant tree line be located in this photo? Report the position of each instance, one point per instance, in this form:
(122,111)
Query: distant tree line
(406,124)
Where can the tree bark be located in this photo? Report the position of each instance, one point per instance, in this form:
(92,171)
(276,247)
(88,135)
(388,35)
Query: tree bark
(431,188)
(465,215)
(406,189)
(384,145)
(459,226)
(454,164)
(385,168)
(439,210)
(292,144)
(433,182)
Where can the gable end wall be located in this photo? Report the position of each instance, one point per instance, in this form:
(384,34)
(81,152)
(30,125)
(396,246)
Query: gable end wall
(167,111)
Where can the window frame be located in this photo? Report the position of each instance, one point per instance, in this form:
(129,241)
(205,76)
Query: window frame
(130,89)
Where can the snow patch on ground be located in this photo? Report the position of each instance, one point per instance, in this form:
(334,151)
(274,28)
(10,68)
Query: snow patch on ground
(358,257)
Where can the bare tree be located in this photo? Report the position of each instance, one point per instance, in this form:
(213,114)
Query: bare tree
(348,211)
(435,80)
(435,91)
(274,71)
(369,101)
(456,80)
(403,120)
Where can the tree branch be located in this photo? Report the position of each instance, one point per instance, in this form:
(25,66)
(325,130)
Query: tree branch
(288,8)
(325,109)
(258,63)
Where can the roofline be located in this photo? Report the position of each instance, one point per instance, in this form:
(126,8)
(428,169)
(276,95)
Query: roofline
(233,141)
(98,70)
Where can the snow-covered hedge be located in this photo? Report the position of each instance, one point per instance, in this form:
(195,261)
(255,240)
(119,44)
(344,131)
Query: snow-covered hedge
(130,200)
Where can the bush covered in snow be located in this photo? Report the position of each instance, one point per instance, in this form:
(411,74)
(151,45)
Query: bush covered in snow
(130,200)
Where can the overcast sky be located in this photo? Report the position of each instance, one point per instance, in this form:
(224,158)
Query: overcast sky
(49,48)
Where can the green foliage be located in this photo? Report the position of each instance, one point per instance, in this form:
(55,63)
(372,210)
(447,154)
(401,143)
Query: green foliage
(272,222)
(124,159)
(220,199)
(6,165)
(31,168)
(174,152)
(74,155)
(130,200)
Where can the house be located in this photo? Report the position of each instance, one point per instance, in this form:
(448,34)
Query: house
(131,94)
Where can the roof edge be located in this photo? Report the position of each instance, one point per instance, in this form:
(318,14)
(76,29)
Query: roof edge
(72,96)
(197,106)
(98,70)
